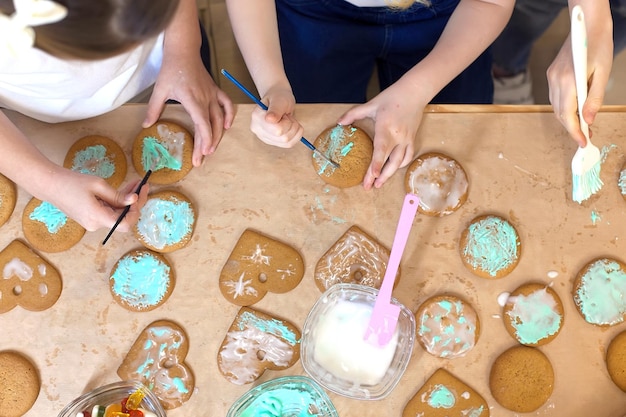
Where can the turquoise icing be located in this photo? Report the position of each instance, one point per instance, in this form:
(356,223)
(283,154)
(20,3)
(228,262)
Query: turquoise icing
(141,281)
(621,183)
(492,245)
(441,397)
(163,222)
(601,295)
(533,319)
(272,326)
(474,412)
(180,385)
(595,217)
(155,156)
(337,148)
(288,400)
(53,218)
(93,160)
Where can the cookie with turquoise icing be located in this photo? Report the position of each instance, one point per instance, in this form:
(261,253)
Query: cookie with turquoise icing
(490,247)
(99,156)
(599,290)
(621,182)
(166,222)
(445,395)
(48,229)
(8,198)
(166,148)
(141,280)
(533,314)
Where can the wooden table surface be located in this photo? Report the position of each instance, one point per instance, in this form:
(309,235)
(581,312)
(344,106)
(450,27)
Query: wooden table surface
(518,163)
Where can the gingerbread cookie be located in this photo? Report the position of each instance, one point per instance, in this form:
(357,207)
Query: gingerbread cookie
(598,292)
(621,181)
(166,221)
(521,379)
(48,229)
(533,314)
(616,360)
(99,156)
(141,280)
(157,359)
(165,148)
(255,342)
(444,395)
(447,326)
(27,280)
(8,198)
(19,384)
(439,181)
(490,247)
(356,258)
(348,146)
(259,264)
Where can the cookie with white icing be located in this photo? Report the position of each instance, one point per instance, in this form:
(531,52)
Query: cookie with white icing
(166,148)
(259,264)
(166,222)
(99,156)
(256,342)
(28,280)
(440,182)
(157,359)
(8,198)
(490,247)
(447,326)
(356,258)
(48,229)
(445,395)
(141,280)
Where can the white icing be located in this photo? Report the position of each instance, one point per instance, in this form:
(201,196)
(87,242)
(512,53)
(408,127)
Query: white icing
(447,328)
(17,267)
(257,257)
(502,298)
(240,287)
(440,183)
(552,274)
(173,141)
(341,349)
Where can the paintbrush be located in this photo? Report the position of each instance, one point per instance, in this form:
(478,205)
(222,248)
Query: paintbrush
(125,211)
(264,107)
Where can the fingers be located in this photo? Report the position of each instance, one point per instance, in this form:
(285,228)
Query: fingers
(156,104)
(284,134)
(355,113)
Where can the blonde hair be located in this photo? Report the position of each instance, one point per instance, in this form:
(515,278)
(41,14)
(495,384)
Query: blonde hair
(405,4)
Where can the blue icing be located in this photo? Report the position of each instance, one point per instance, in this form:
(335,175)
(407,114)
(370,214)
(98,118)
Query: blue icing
(492,245)
(93,160)
(601,295)
(285,401)
(621,183)
(155,156)
(141,281)
(53,218)
(272,326)
(441,397)
(337,147)
(163,222)
(180,385)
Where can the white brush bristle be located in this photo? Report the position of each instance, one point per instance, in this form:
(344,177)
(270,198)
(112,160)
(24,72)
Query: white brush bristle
(587,183)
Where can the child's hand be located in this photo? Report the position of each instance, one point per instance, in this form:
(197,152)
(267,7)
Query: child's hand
(277,126)
(396,120)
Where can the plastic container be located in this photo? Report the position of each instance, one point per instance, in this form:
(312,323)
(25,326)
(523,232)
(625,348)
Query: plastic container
(113,394)
(288,396)
(336,355)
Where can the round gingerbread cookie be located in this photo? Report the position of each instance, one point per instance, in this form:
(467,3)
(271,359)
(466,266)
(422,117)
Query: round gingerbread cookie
(533,314)
(348,146)
(616,360)
(598,292)
(99,156)
(141,280)
(8,198)
(166,148)
(490,247)
(521,379)
(19,384)
(48,229)
(166,222)
(447,326)
(439,181)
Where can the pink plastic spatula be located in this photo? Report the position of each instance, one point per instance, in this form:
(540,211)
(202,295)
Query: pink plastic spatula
(385,314)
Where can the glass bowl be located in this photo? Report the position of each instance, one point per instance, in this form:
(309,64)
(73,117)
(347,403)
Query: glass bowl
(114,394)
(288,396)
(336,355)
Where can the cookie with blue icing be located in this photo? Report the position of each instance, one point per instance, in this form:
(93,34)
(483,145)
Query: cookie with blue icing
(490,247)
(48,229)
(99,156)
(166,148)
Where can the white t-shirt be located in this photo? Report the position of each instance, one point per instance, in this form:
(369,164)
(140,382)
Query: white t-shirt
(49,89)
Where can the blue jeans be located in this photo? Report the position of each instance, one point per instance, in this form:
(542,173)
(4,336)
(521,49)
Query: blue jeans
(331,47)
(530,19)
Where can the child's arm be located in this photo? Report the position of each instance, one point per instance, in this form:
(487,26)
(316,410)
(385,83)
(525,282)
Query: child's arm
(561,84)
(85,198)
(397,111)
(184,78)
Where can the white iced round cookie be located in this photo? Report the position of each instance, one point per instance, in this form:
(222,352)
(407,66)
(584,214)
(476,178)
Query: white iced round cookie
(439,181)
